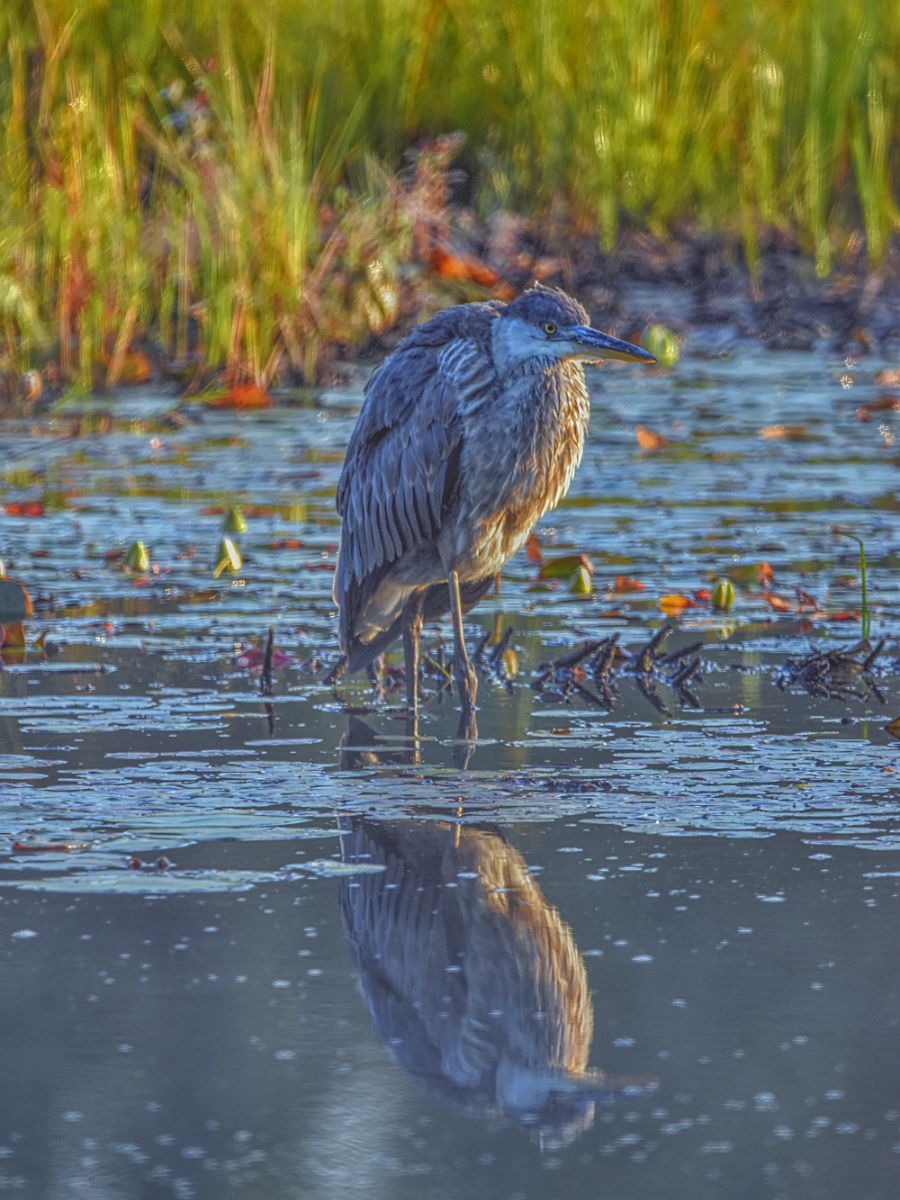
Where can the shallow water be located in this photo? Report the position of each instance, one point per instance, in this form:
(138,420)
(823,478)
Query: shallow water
(364,974)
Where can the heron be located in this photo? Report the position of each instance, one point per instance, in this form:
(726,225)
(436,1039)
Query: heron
(470,431)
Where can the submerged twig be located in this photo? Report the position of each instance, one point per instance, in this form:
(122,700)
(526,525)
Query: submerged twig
(836,674)
(266,682)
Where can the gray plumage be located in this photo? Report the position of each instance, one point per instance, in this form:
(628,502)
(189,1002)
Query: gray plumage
(469,432)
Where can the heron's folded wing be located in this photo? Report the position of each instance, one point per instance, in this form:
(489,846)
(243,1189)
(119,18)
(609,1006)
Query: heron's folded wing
(402,461)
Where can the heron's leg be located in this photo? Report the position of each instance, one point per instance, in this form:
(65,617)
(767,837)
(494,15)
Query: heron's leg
(336,671)
(412,631)
(463,672)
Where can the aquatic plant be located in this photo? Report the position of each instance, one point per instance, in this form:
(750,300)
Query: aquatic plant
(865,613)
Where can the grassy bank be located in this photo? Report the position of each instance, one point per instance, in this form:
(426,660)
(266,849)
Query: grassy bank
(223,184)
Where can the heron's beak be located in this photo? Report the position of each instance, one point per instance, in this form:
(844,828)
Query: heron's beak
(591,345)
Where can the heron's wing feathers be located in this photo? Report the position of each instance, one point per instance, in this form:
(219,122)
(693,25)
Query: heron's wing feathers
(403,459)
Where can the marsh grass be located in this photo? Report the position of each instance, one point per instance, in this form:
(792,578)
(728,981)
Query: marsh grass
(221,179)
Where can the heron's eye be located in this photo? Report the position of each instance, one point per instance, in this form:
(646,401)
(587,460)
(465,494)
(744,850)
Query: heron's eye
(549,328)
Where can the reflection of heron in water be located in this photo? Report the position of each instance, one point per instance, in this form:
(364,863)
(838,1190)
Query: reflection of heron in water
(471,977)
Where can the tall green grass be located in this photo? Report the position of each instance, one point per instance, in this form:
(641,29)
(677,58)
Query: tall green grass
(273,222)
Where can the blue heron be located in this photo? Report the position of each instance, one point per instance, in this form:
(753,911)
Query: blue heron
(470,431)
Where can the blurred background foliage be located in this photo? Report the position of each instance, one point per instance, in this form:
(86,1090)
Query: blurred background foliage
(223,178)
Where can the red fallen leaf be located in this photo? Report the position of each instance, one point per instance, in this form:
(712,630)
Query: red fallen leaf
(882,404)
(648,440)
(533,551)
(45,847)
(624,584)
(889,377)
(561,731)
(778,602)
(673,604)
(844,616)
(24,508)
(318,566)
(612,614)
(805,600)
(252,660)
(764,574)
(285,544)
(703,594)
(241,396)
(461,266)
(562,568)
(212,510)
(790,433)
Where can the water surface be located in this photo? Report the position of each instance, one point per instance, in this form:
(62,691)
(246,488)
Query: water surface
(635,953)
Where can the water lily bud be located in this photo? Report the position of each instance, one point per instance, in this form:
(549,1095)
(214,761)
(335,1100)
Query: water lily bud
(580,582)
(662,344)
(137,558)
(228,558)
(235,521)
(723,595)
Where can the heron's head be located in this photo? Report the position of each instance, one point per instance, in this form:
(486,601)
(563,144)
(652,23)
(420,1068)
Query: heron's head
(545,323)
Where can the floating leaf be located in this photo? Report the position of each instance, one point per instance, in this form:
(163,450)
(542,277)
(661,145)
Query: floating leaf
(723,595)
(624,584)
(580,582)
(882,404)
(533,550)
(137,558)
(673,604)
(241,396)
(48,847)
(228,558)
(252,660)
(662,344)
(889,377)
(24,508)
(778,602)
(235,521)
(788,433)
(648,440)
(563,567)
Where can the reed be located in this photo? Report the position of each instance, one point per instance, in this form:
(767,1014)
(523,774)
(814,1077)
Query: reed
(221,179)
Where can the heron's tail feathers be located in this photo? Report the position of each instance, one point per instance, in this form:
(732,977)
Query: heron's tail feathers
(358,654)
